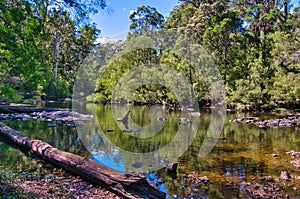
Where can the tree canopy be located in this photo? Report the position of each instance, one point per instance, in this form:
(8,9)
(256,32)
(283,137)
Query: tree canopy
(254,43)
(42,45)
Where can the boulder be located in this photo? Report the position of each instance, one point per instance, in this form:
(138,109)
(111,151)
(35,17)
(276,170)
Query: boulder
(284,175)
(172,167)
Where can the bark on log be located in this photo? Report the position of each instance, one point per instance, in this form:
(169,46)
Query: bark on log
(5,108)
(130,185)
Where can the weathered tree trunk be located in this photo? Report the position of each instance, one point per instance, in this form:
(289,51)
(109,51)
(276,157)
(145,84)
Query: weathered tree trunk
(4,108)
(56,50)
(131,185)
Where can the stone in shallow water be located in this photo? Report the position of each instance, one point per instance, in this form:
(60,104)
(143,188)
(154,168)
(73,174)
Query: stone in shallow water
(137,164)
(263,191)
(284,175)
(131,130)
(172,167)
(267,179)
(51,125)
(296,163)
(294,154)
(204,179)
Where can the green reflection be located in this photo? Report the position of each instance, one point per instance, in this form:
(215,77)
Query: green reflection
(243,152)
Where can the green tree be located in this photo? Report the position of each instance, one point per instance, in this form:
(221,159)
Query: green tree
(24,64)
(220,39)
(43,37)
(285,90)
(253,42)
(145,19)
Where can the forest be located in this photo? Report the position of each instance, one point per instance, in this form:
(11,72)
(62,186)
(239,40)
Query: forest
(255,45)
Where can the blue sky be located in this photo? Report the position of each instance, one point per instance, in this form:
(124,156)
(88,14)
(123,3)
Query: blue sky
(117,20)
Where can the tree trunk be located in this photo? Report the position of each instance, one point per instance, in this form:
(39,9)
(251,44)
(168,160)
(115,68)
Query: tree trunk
(56,49)
(130,185)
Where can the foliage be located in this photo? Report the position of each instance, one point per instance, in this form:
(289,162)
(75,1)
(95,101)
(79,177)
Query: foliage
(254,43)
(145,19)
(42,46)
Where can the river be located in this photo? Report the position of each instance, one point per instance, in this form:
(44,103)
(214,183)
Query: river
(243,152)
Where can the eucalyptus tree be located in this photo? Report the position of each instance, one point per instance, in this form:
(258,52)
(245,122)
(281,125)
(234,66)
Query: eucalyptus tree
(145,19)
(193,16)
(24,63)
(285,88)
(251,41)
(263,18)
(43,37)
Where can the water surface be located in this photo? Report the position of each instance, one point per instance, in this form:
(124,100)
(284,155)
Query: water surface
(242,153)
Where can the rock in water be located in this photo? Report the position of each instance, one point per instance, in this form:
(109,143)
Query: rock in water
(131,130)
(137,164)
(195,114)
(204,179)
(284,175)
(172,167)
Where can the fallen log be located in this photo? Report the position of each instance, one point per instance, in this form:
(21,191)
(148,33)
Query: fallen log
(130,185)
(20,108)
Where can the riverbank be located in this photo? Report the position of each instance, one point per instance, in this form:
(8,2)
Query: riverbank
(42,181)
(203,105)
(244,149)
(130,185)
(289,121)
(55,184)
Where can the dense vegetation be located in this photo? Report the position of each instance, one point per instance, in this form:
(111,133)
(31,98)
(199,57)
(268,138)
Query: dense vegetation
(42,45)
(254,43)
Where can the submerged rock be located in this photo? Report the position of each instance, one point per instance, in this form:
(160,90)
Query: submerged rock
(196,179)
(63,116)
(267,179)
(162,119)
(238,120)
(185,121)
(263,191)
(195,114)
(296,163)
(51,125)
(296,156)
(275,123)
(172,167)
(204,179)
(284,175)
(137,164)
(131,130)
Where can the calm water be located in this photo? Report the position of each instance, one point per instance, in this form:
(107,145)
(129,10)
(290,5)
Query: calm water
(243,152)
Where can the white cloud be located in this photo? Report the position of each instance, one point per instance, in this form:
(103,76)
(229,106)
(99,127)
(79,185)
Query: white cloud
(105,40)
(131,12)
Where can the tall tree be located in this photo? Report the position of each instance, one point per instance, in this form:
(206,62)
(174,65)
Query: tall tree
(25,63)
(40,37)
(145,19)
(219,38)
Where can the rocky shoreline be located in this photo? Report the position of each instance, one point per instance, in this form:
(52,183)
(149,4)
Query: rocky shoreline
(58,184)
(275,123)
(296,159)
(52,117)
(53,185)
(275,187)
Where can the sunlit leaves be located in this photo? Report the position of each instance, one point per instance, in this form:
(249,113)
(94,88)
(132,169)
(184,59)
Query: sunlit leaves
(145,19)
